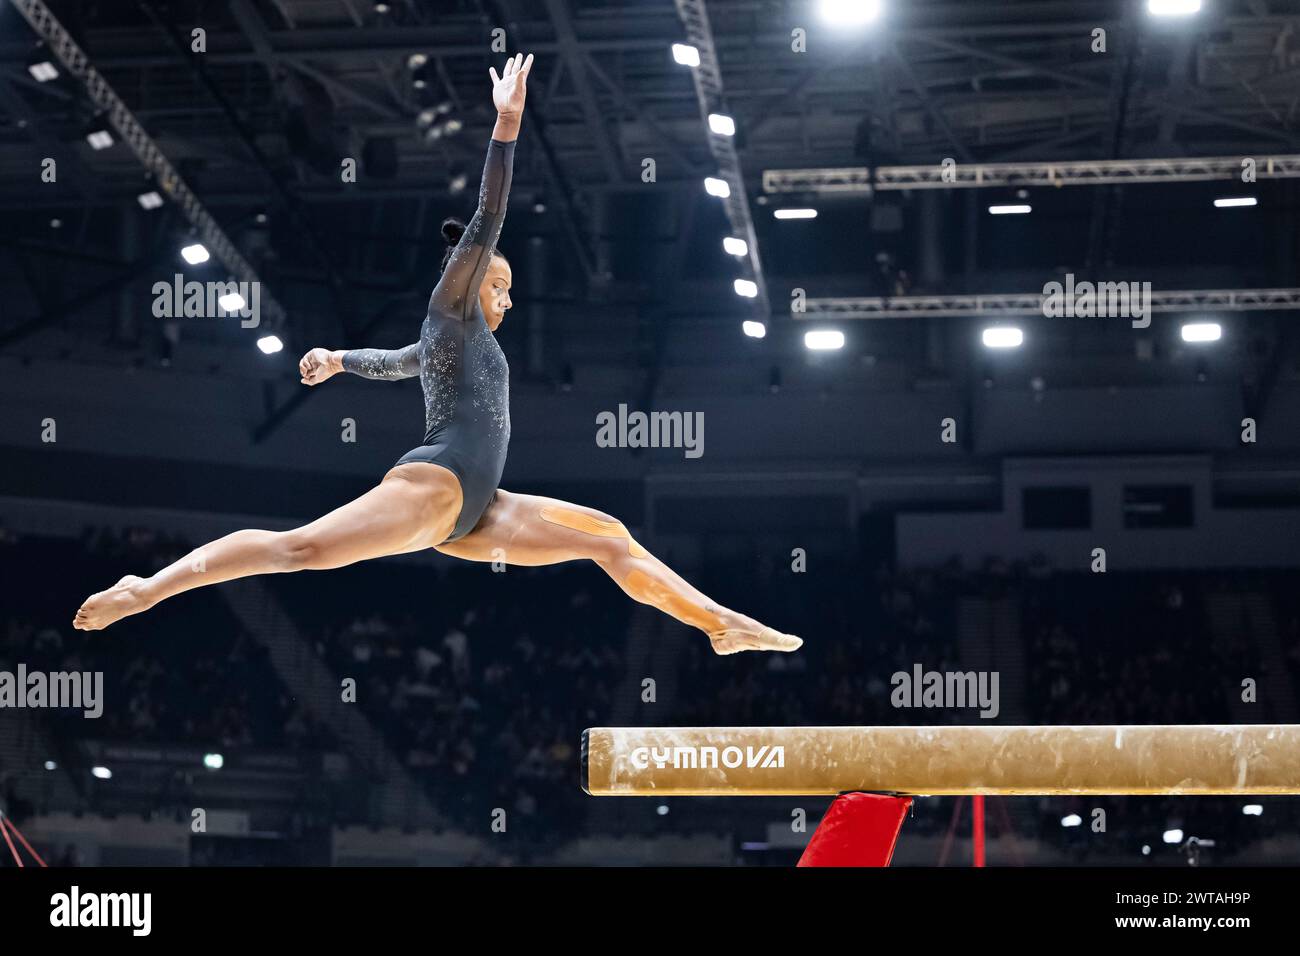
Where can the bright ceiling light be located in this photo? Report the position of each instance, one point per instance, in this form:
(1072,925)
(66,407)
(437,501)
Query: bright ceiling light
(717,187)
(746,287)
(195,253)
(270,344)
(99,139)
(848,13)
(1202,332)
(823,340)
(722,125)
(755,330)
(1173,8)
(686,55)
(231,301)
(1232,202)
(795,213)
(735,247)
(1173,836)
(1011,209)
(101,773)
(43,72)
(1003,337)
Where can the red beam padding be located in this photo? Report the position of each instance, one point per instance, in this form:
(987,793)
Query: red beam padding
(859,829)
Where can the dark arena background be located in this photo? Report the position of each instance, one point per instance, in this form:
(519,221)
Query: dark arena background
(957,338)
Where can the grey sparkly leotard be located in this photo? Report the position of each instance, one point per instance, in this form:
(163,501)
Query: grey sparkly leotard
(462,369)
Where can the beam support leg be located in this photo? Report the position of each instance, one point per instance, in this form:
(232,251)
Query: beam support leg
(859,829)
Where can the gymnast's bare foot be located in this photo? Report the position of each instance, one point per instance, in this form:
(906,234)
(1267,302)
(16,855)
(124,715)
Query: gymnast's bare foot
(119,601)
(746,634)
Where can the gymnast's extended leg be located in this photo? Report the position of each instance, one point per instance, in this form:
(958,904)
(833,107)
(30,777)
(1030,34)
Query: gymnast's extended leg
(414,507)
(531,530)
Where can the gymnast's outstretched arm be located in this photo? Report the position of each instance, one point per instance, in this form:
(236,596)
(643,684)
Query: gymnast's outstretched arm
(320,364)
(382,363)
(457,290)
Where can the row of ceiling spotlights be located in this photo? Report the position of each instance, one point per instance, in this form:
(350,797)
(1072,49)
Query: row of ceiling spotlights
(1024,209)
(1012,336)
(196,253)
(1002,336)
(818,340)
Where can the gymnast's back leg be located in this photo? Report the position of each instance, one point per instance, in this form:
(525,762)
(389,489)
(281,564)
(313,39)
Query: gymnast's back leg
(530,530)
(414,507)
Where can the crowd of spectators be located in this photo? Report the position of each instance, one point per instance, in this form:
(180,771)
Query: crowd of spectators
(856,637)
(484,680)
(186,673)
(1131,649)
(1118,648)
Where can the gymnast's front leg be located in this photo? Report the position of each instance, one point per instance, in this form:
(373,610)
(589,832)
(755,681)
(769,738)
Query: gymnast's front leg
(530,530)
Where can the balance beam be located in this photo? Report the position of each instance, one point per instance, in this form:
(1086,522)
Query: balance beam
(808,761)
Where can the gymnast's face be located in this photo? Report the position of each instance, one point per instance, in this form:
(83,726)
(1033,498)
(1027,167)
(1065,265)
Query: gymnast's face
(494,293)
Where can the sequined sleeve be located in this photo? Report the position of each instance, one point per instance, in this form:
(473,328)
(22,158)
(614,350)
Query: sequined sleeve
(457,290)
(383,363)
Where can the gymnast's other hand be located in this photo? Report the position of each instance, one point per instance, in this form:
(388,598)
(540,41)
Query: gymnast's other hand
(320,364)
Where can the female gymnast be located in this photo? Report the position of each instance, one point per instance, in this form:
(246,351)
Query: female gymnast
(444,494)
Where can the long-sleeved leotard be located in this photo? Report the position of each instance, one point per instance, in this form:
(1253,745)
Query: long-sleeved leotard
(462,369)
(383,363)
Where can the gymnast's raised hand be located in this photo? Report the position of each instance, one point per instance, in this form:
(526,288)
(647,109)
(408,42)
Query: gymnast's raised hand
(511,88)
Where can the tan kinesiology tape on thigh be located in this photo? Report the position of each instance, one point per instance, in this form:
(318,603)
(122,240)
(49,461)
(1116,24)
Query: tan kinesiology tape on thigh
(577,521)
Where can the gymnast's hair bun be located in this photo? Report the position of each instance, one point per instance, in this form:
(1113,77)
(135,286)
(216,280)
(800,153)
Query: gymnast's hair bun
(452,230)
